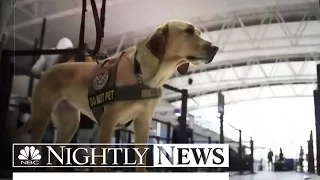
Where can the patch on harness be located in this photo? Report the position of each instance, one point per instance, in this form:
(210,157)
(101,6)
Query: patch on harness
(101,98)
(100,78)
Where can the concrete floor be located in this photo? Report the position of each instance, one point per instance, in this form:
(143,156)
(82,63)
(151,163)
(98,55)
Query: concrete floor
(313,177)
(271,176)
(267,176)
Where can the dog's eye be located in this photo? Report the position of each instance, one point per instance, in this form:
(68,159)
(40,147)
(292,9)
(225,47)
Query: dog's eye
(189,31)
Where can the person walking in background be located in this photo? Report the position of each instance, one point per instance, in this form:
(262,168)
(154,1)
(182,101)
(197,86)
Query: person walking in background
(281,157)
(301,159)
(270,162)
(176,137)
(261,165)
(47,61)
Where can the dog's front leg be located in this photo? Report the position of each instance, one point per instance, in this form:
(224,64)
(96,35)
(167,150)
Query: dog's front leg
(107,124)
(142,128)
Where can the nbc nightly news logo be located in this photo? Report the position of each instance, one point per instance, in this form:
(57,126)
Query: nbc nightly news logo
(120,155)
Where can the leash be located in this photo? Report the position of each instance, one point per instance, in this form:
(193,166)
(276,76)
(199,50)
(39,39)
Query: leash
(99,29)
(99,24)
(81,44)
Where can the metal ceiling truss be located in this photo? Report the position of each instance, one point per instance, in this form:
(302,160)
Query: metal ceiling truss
(274,16)
(238,20)
(32,8)
(299,84)
(21,3)
(271,16)
(235,19)
(242,81)
(192,105)
(296,67)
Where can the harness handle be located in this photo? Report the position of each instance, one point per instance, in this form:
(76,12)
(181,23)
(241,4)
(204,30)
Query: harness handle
(81,44)
(99,31)
(99,24)
(103,16)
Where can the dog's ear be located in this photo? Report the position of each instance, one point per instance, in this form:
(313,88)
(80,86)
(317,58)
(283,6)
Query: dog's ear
(183,69)
(157,42)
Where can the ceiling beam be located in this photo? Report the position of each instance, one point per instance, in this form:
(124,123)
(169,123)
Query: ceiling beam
(26,2)
(245,62)
(246,100)
(248,86)
(254,61)
(59,15)
(38,20)
(22,39)
(248,20)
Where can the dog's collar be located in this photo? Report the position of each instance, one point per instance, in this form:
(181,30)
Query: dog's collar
(137,67)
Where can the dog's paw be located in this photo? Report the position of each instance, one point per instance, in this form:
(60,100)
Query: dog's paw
(50,169)
(141,169)
(99,169)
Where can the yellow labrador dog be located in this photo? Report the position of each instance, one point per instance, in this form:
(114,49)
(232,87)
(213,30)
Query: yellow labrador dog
(62,91)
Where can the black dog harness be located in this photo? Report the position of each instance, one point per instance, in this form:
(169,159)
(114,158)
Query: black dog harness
(103,91)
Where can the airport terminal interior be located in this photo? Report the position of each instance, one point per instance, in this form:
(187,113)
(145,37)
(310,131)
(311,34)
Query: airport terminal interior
(259,94)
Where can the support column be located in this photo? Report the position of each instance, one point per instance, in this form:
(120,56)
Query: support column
(317,117)
(6,78)
(221,112)
(168,132)
(221,130)
(240,153)
(183,117)
(183,123)
(251,156)
(310,155)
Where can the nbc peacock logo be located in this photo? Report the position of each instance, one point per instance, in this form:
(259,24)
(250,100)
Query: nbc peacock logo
(29,156)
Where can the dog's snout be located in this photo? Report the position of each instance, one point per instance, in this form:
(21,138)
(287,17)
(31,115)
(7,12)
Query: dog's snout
(212,48)
(211,51)
(215,48)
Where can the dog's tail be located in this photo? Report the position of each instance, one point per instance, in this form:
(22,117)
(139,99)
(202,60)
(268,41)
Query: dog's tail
(25,128)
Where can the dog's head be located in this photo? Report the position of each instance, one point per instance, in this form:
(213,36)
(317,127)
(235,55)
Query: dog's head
(180,41)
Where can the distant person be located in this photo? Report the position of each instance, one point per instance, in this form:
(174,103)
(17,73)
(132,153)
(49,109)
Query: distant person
(176,137)
(261,165)
(46,61)
(301,159)
(281,158)
(270,157)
